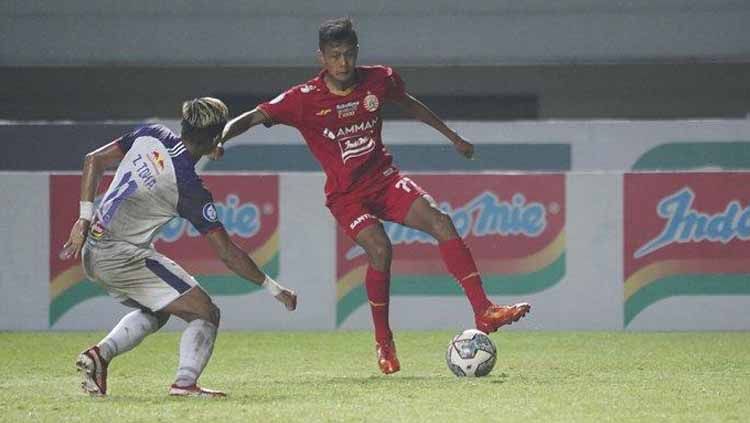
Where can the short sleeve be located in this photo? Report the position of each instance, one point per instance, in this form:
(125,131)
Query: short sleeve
(286,108)
(197,206)
(126,141)
(394,85)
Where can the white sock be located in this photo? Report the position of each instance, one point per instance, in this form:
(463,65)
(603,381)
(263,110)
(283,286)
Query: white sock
(128,333)
(196,346)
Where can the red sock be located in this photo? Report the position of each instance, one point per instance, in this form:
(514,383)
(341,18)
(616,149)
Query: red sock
(460,264)
(378,286)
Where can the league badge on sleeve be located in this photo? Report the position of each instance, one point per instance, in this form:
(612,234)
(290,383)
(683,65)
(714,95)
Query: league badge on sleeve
(209,212)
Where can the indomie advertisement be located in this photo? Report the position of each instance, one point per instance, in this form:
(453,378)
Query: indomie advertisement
(685,234)
(514,225)
(248,207)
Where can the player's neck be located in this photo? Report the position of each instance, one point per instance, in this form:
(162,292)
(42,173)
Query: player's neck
(341,88)
(194,154)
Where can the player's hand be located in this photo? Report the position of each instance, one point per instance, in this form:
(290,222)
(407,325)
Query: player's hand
(464,148)
(288,298)
(72,247)
(217,153)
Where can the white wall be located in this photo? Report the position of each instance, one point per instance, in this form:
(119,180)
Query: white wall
(442,32)
(24,266)
(589,296)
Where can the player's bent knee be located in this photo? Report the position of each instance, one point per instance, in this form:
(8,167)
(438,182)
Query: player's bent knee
(380,253)
(214,315)
(161,318)
(442,226)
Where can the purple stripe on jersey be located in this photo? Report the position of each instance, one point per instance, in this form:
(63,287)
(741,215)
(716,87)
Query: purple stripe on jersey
(170,278)
(160,132)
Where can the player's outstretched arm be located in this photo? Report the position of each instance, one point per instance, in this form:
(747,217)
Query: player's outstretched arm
(94,165)
(243,122)
(420,111)
(240,263)
(236,126)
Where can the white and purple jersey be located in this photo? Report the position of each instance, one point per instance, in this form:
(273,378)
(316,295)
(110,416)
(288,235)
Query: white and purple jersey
(155,182)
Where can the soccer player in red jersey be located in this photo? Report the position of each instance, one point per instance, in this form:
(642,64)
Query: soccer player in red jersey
(338,114)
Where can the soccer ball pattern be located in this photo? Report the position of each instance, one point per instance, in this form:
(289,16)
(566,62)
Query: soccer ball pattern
(471,353)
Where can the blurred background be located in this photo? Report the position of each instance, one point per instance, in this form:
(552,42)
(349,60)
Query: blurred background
(484,59)
(569,86)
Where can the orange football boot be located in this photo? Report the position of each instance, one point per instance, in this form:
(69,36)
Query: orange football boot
(387,359)
(496,316)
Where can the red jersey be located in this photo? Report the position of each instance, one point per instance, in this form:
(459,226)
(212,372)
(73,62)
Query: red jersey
(342,131)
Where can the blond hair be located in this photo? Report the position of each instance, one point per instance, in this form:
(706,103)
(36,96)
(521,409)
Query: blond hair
(204,112)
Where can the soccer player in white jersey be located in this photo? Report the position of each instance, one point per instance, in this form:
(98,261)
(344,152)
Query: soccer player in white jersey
(154,182)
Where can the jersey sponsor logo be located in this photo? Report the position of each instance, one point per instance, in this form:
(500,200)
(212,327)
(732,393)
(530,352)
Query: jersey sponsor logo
(323,112)
(356,222)
(355,129)
(371,102)
(347,109)
(329,134)
(157,161)
(352,141)
(355,147)
(209,212)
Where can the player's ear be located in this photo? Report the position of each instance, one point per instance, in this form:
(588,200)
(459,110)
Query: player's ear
(320,58)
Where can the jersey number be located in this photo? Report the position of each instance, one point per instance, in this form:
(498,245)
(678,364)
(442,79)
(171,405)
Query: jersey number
(109,206)
(404,183)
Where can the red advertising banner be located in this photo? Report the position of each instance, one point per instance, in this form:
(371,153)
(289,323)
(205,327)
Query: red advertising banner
(248,207)
(514,225)
(685,234)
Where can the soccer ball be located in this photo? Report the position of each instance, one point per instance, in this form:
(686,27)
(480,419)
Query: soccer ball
(471,353)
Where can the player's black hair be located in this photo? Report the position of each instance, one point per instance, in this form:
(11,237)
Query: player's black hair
(201,137)
(336,31)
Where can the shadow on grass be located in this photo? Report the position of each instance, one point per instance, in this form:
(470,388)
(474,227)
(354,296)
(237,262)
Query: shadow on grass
(161,400)
(396,379)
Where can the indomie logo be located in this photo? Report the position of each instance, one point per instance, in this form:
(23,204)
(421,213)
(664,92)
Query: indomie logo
(686,225)
(484,215)
(238,219)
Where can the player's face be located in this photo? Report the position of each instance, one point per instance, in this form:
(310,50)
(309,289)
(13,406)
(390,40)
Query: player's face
(339,60)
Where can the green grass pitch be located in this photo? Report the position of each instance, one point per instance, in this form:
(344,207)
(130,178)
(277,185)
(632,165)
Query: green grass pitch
(332,376)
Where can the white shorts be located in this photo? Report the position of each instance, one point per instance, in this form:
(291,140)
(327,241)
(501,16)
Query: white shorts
(127,271)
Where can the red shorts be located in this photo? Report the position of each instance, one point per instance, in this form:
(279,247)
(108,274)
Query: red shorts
(389,199)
